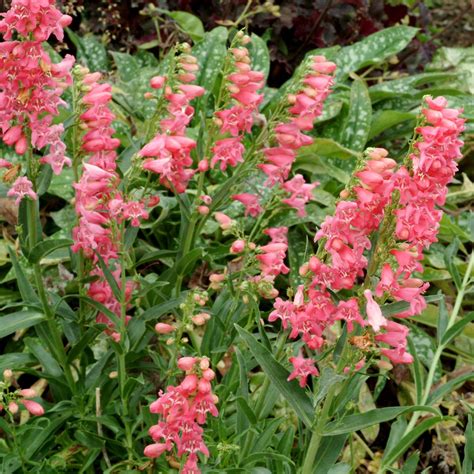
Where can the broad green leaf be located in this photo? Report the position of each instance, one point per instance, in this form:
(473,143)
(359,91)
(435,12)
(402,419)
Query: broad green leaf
(408,440)
(449,259)
(210,53)
(464,193)
(19,320)
(405,85)
(90,51)
(374,49)
(259,55)
(189,23)
(44,248)
(387,119)
(327,148)
(358,121)
(358,422)
(278,375)
(127,66)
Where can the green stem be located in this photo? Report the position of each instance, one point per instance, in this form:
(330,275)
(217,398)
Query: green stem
(441,347)
(308,465)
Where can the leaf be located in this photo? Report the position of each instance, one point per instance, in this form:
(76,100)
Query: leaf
(15,360)
(357,124)
(468,447)
(189,23)
(259,54)
(246,410)
(19,320)
(456,328)
(47,361)
(409,466)
(358,422)
(373,50)
(278,375)
(462,194)
(156,311)
(26,290)
(447,387)
(442,319)
(109,277)
(391,456)
(41,249)
(127,66)
(449,259)
(386,119)
(258,457)
(328,452)
(185,264)
(366,403)
(327,148)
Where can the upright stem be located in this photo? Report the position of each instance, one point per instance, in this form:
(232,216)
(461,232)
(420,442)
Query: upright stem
(308,465)
(441,347)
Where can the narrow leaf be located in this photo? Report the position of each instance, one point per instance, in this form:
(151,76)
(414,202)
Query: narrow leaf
(20,320)
(278,375)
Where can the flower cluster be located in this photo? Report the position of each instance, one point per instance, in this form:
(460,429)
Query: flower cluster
(413,193)
(99,205)
(306,106)
(12,400)
(243,84)
(169,153)
(183,409)
(31,85)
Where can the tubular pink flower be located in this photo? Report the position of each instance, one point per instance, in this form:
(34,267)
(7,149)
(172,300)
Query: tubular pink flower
(22,187)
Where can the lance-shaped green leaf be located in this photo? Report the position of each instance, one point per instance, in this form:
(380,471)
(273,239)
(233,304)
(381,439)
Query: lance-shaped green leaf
(44,248)
(393,454)
(351,423)
(19,320)
(387,119)
(189,23)
(278,375)
(358,122)
(26,290)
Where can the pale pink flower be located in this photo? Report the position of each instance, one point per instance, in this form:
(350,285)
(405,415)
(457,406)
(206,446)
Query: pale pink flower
(22,187)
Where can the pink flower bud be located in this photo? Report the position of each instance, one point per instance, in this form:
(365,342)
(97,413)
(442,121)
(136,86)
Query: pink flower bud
(189,383)
(206,199)
(28,393)
(33,407)
(7,374)
(224,220)
(154,450)
(208,374)
(157,82)
(13,408)
(163,328)
(203,166)
(203,210)
(186,363)
(204,363)
(204,386)
(12,135)
(21,146)
(238,246)
(199,319)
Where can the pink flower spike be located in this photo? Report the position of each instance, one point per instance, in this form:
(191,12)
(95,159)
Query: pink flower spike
(374,313)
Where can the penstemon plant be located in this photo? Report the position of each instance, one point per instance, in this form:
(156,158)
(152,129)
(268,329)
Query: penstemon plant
(125,327)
